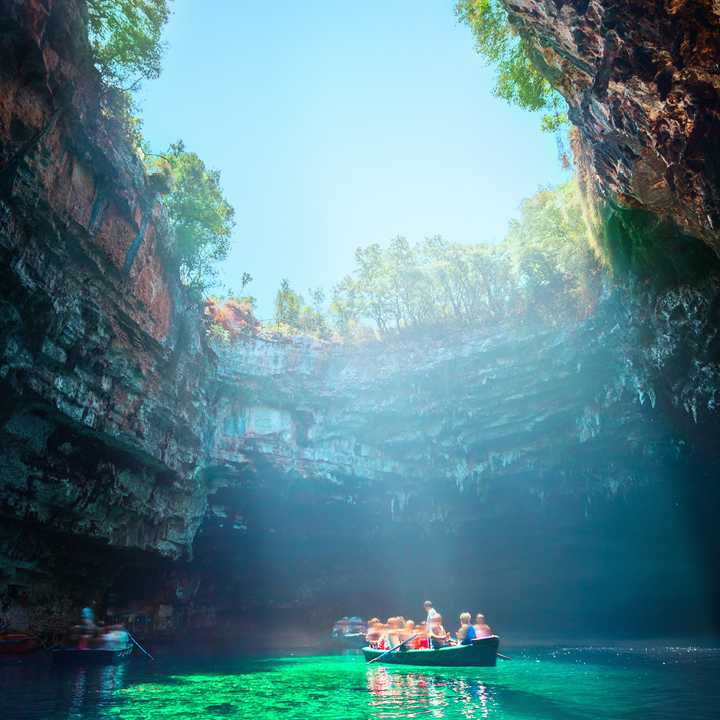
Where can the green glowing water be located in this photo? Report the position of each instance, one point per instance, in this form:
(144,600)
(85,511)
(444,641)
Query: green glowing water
(577,684)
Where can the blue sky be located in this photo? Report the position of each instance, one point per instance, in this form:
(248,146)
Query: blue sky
(340,124)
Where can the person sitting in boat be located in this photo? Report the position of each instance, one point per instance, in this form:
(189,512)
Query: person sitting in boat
(466,632)
(406,633)
(115,637)
(437,634)
(421,642)
(88,629)
(482,629)
(374,633)
(393,631)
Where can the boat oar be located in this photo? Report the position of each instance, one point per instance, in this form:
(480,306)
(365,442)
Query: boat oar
(387,652)
(139,646)
(504,657)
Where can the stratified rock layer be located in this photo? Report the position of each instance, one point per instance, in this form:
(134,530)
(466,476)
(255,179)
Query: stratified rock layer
(643,83)
(492,465)
(101,364)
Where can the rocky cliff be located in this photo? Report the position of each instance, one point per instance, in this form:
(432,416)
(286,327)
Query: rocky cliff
(476,445)
(102,362)
(562,462)
(642,80)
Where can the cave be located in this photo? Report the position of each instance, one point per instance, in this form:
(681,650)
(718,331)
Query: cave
(560,475)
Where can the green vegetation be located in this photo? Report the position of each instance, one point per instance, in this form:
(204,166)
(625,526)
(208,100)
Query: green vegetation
(636,243)
(200,218)
(125,37)
(294,316)
(519,78)
(544,270)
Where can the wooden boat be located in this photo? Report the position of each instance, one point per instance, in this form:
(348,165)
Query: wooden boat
(18,643)
(481,653)
(91,656)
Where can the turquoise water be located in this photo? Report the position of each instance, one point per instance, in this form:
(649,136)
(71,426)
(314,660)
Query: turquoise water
(537,684)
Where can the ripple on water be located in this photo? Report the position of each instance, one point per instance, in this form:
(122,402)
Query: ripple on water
(557,684)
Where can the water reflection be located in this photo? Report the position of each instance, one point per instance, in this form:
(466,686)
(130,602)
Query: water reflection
(412,694)
(93,690)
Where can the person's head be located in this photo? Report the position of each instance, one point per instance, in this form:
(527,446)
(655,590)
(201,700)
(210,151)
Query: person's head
(373,621)
(410,624)
(437,620)
(87,614)
(480,619)
(465,618)
(427,605)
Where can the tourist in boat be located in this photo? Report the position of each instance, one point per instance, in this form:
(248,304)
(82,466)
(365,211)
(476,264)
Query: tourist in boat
(88,629)
(374,633)
(466,632)
(406,633)
(393,632)
(437,635)
(115,637)
(423,642)
(482,629)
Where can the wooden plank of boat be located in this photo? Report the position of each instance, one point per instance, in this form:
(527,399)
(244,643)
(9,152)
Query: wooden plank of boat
(91,656)
(481,653)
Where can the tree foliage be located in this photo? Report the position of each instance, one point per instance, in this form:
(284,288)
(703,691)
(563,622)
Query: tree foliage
(293,315)
(126,38)
(200,218)
(543,270)
(519,81)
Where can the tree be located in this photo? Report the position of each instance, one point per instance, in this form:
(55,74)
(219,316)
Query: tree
(125,38)
(552,255)
(288,305)
(519,79)
(200,218)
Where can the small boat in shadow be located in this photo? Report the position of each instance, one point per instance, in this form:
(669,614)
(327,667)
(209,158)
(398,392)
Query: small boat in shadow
(18,643)
(90,656)
(482,652)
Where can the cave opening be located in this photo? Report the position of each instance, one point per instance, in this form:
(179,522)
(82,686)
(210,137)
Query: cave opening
(310,313)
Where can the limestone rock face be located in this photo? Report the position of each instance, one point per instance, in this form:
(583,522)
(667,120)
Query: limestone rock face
(643,83)
(547,454)
(553,457)
(101,364)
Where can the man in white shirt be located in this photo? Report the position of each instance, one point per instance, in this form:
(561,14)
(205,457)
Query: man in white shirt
(432,613)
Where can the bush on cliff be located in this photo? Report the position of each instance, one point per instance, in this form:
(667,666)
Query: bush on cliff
(294,316)
(519,79)
(200,218)
(126,38)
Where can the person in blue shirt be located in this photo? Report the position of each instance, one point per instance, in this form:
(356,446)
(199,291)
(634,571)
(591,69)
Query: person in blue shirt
(466,633)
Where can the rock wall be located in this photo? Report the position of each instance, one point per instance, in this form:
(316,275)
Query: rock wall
(642,80)
(562,452)
(562,462)
(102,360)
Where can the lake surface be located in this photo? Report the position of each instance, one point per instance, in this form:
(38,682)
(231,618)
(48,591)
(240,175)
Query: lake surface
(537,684)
